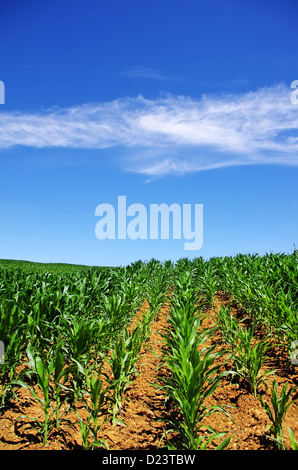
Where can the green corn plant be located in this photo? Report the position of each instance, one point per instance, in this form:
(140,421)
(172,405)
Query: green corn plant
(158,289)
(202,442)
(60,372)
(133,294)
(228,324)
(186,300)
(124,355)
(12,326)
(293,441)
(208,284)
(144,326)
(94,405)
(40,369)
(81,335)
(193,378)
(277,411)
(46,371)
(117,314)
(249,358)
(11,319)
(8,375)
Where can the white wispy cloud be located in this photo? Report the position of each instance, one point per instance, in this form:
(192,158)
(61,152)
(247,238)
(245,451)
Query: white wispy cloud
(140,71)
(173,134)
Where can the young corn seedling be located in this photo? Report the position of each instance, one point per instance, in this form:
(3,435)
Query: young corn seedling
(193,378)
(124,355)
(40,368)
(249,358)
(80,335)
(294,444)
(228,324)
(158,290)
(60,374)
(8,374)
(277,411)
(117,312)
(12,326)
(94,405)
(208,285)
(46,371)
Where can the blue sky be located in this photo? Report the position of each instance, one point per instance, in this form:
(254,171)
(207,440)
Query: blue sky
(185,102)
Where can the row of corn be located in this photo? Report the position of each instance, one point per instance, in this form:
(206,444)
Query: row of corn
(195,370)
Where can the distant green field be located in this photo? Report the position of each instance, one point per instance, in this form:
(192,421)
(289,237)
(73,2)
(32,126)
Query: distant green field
(55,268)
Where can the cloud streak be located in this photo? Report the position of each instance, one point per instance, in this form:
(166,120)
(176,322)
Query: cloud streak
(173,134)
(146,72)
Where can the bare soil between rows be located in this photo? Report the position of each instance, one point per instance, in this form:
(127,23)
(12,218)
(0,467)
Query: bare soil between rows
(145,408)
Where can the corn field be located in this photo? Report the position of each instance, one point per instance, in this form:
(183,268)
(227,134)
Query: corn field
(155,355)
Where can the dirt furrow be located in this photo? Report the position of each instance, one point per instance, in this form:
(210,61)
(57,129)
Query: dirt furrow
(144,405)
